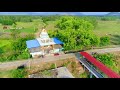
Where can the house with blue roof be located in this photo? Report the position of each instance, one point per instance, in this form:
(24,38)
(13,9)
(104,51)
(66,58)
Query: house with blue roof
(44,45)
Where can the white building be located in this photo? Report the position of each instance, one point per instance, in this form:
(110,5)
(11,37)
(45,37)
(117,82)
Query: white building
(44,45)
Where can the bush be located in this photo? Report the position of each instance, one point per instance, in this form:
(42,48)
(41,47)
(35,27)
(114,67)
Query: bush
(19,73)
(1,51)
(24,55)
(104,41)
(107,59)
(52,66)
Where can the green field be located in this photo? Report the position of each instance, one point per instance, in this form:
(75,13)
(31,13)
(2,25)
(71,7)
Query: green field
(5,74)
(28,27)
(4,42)
(5,45)
(109,28)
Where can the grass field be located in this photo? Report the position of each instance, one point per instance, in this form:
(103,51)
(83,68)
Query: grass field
(109,28)
(4,42)
(28,27)
(6,74)
(5,45)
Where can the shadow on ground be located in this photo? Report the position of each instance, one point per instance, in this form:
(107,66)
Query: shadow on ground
(115,39)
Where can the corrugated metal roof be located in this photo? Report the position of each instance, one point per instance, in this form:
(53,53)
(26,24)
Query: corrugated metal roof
(57,41)
(100,65)
(32,43)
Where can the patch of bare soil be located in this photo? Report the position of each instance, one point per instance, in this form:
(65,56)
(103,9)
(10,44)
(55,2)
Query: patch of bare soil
(72,65)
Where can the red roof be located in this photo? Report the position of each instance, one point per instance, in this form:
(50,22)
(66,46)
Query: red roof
(101,66)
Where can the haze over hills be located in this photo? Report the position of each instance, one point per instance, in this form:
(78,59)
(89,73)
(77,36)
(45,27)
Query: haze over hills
(113,14)
(41,13)
(64,13)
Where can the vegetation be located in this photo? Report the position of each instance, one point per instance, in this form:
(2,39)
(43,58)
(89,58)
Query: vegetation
(46,72)
(52,66)
(17,51)
(104,41)
(19,73)
(108,59)
(107,28)
(15,73)
(84,75)
(15,32)
(75,33)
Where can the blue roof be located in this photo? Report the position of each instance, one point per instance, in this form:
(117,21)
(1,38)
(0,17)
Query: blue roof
(32,43)
(57,41)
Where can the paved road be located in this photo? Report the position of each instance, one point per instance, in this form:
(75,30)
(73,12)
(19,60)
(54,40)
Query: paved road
(106,50)
(88,66)
(15,64)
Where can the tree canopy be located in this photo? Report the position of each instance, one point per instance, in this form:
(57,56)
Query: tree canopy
(75,32)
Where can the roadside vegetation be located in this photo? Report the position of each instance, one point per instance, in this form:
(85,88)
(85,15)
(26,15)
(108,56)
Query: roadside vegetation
(16,73)
(109,60)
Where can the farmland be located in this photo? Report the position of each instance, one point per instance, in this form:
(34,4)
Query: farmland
(109,28)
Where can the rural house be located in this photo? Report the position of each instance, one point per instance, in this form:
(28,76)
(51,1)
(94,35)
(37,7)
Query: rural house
(44,45)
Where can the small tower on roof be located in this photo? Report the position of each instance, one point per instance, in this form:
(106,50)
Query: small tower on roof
(44,36)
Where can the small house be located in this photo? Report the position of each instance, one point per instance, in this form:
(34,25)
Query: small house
(44,45)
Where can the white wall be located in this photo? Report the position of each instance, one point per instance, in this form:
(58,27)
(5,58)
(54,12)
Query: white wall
(56,50)
(36,53)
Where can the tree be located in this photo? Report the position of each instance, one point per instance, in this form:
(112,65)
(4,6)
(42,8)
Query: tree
(76,33)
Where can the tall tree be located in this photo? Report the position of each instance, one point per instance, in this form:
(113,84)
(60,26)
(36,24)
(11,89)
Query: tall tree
(76,33)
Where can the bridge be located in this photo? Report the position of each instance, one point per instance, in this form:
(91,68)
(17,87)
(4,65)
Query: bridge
(88,58)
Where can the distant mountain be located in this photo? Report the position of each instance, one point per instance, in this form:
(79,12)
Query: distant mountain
(55,13)
(113,14)
(72,13)
(41,13)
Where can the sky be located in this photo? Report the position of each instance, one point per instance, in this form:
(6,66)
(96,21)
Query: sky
(52,13)
(95,13)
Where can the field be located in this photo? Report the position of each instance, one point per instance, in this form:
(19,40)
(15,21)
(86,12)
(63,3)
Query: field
(109,28)
(5,74)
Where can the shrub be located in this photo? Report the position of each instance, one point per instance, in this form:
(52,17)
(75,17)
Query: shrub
(104,41)
(107,59)
(19,73)
(24,55)
(1,51)
(52,66)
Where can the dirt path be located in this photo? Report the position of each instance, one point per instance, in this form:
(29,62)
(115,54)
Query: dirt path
(37,34)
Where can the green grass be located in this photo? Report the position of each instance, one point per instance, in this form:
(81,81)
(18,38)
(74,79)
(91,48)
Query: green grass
(15,73)
(28,27)
(5,45)
(6,74)
(51,25)
(26,30)
(4,42)
(107,27)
